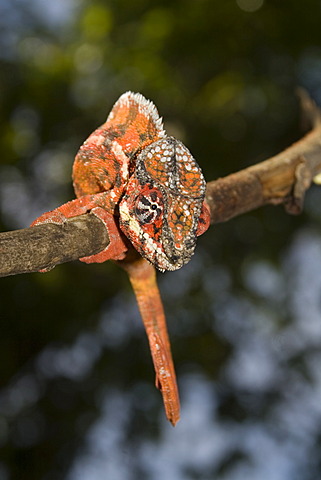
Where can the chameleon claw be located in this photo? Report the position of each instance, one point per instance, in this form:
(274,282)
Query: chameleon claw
(117,248)
(55,216)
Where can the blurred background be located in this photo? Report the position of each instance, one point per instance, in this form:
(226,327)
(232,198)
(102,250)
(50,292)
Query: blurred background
(77,395)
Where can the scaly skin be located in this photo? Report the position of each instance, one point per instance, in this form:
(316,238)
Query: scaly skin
(149,192)
(142,276)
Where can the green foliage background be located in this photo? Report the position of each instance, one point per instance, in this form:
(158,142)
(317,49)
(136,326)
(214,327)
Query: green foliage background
(223,76)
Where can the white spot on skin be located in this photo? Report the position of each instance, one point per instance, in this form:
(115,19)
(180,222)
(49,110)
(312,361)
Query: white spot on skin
(133,224)
(150,243)
(121,157)
(124,213)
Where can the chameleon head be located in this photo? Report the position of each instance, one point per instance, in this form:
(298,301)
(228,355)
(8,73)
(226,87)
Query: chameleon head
(160,211)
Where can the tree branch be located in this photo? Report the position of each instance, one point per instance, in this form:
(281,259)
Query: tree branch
(283,178)
(47,245)
(280,179)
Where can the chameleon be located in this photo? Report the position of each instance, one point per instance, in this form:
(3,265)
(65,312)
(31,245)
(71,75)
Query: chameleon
(149,192)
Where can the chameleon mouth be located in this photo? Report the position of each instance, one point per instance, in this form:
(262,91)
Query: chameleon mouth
(171,258)
(164,263)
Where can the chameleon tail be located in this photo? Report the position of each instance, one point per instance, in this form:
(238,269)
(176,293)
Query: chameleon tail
(142,277)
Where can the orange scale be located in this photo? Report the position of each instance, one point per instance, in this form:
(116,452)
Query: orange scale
(150,231)
(194,192)
(129,138)
(140,124)
(131,124)
(190,177)
(156,170)
(179,237)
(180,212)
(171,225)
(183,172)
(177,228)
(123,114)
(158,223)
(178,234)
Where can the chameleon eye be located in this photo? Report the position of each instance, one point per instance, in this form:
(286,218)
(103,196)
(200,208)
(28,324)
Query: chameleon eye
(149,207)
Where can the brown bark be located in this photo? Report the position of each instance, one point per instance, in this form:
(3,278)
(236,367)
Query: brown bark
(281,179)
(47,245)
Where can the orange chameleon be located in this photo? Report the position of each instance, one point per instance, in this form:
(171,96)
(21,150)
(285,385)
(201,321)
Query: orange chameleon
(148,190)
